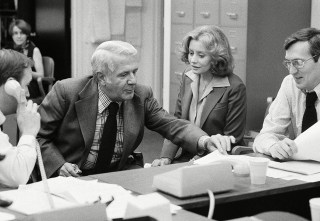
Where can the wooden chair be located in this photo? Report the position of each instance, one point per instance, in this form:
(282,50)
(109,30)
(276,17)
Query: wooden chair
(45,83)
(48,68)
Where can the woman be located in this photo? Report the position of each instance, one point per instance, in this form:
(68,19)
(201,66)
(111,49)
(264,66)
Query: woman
(20,32)
(210,96)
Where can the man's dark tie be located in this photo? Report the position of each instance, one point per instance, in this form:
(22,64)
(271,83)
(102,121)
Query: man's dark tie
(107,140)
(310,114)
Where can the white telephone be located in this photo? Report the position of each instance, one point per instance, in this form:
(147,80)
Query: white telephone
(195,180)
(13,88)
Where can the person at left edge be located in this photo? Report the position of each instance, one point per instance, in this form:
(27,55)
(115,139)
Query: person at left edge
(19,161)
(71,116)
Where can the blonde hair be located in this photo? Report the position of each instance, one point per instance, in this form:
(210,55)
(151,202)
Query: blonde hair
(216,42)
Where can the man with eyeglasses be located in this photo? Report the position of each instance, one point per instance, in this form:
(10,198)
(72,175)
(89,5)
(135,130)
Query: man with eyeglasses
(297,100)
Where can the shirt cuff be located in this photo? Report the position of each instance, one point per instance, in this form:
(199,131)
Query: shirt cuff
(28,140)
(201,148)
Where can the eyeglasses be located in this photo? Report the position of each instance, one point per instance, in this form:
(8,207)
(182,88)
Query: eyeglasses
(297,63)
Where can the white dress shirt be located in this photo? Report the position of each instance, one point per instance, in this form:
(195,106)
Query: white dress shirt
(19,161)
(288,108)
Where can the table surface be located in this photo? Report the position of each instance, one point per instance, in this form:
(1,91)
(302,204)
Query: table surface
(140,181)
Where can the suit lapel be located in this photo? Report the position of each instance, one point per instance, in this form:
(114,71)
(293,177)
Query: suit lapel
(211,102)
(186,99)
(86,108)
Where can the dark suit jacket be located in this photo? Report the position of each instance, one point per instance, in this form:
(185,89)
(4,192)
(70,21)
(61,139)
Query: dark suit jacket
(223,113)
(68,122)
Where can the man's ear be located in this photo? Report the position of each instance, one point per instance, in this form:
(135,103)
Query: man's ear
(101,78)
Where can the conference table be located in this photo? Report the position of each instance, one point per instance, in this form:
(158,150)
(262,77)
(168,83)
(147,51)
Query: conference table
(244,200)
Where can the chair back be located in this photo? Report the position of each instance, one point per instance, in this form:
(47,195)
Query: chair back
(48,66)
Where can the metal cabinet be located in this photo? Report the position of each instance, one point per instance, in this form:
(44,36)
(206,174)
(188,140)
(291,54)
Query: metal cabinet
(206,12)
(234,13)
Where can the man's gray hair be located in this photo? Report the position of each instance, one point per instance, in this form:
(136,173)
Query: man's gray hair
(102,58)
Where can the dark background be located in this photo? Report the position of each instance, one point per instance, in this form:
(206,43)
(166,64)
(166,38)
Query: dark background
(51,32)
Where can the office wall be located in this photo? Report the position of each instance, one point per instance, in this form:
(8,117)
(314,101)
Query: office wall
(269,23)
(315,14)
(149,72)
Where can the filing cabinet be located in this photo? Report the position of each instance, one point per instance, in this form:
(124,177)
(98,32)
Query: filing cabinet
(234,13)
(229,15)
(182,12)
(206,12)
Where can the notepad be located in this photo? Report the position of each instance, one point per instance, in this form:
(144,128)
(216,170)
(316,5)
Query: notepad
(302,167)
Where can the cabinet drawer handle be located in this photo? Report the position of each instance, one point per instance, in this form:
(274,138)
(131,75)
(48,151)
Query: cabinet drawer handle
(180,13)
(205,14)
(232,15)
(233,49)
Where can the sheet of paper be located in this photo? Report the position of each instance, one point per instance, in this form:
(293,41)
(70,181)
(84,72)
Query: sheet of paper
(276,173)
(305,178)
(32,201)
(80,191)
(302,167)
(217,156)
(308,144)
(6,216)
(65,191)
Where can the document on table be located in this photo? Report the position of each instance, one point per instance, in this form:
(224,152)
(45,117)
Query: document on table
(308,144)
(66,192)
(6,216)
(301,167)
(216,156)
(70,192)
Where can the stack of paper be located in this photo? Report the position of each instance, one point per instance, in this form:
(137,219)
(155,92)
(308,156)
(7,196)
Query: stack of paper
(66,192)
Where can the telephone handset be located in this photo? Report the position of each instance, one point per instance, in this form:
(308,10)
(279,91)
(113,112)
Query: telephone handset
(240,167)
(13,88)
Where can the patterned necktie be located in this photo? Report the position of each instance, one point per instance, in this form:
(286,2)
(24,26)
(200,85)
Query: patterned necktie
(310,114)
(107,140)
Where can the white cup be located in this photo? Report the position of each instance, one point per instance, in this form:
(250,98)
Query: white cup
(315,209)
(258,170)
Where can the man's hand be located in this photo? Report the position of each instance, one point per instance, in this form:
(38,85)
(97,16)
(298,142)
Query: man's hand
(28,119)
(222,143)
(69,169)
(161,162)
(283,149)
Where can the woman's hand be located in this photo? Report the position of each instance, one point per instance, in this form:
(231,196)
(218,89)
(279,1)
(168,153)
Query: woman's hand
(161,162)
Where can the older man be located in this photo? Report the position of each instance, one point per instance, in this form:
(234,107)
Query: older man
(96,122)
(17,162)
(297,101)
